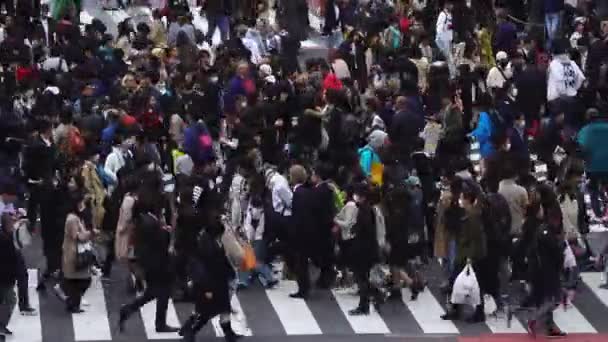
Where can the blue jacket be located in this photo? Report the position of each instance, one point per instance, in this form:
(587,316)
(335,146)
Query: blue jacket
(367,157)
(592,139)
(483,133)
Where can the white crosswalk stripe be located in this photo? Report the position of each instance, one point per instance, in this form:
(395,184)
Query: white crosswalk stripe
(93,324)
(27,328)
(294,315)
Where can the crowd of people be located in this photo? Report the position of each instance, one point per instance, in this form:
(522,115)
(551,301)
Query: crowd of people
(176,157)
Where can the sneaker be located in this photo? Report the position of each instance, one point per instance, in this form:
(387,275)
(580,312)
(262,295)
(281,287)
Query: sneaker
(5,331)
(83,302)
(28,311)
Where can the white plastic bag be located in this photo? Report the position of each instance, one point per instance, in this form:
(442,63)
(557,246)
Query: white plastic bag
(466,288)
(569,258)
(489,305)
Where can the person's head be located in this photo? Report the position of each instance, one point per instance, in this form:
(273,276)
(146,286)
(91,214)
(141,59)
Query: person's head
(242,69)
(361,193)
(45,129)
(298,174)
(448,6)
(502,59)
(468,197)
(78,202)
(322,172)
(520,121)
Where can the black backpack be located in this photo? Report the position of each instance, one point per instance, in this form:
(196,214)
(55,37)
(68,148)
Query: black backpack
(497,221)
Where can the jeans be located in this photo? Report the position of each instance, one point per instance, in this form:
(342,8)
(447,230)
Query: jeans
(262,270)
(218,21)
(446,50)
(7,304)
(552,22)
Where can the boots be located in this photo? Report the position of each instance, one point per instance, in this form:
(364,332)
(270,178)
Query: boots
(229,334)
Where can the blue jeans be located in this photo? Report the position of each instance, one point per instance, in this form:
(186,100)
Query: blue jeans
(262,270)
(552,22)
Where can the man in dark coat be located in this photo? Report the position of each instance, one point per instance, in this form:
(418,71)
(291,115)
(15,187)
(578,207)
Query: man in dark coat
(302,224)
(325,213)
(211,274)
(407,123)
(8,276)
(152,251)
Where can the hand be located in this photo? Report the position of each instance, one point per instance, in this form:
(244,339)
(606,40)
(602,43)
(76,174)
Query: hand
(209,295)
(168,227)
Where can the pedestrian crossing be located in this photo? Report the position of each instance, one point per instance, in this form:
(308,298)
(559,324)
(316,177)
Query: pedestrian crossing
(260,312)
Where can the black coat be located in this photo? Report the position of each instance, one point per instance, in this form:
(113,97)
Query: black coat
(302,227)
(152,248)
(365,243)
(8,260)
(546,262)
(40,160)
(212,272)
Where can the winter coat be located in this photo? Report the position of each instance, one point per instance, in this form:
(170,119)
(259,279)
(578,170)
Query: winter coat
(75,232)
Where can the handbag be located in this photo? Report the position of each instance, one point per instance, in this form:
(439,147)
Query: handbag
(85,257)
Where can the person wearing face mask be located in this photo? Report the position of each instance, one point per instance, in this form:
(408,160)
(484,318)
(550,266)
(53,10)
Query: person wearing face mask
(500,75)
(211,274)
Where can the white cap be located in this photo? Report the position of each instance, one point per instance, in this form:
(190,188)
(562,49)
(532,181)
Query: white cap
(501,55)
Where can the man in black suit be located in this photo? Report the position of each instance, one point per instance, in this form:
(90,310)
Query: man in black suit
(40,165)
(325,211)
(301,235)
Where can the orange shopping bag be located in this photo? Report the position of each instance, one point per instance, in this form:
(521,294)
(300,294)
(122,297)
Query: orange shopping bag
(249,260)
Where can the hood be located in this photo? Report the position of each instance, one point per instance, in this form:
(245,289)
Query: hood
(377,139)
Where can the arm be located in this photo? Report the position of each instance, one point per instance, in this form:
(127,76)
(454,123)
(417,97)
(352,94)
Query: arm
(72,228)
(347,217)
(110,168)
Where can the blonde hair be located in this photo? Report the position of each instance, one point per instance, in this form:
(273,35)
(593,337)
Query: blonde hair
(298,174)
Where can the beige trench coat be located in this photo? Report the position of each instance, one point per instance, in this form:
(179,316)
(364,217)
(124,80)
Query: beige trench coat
(74,232)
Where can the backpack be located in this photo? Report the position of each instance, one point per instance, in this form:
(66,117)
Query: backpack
(497,221)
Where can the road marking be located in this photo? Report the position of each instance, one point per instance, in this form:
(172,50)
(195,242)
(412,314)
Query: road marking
(572,321)
(293,313)
(93,323)
(27,328)
(365,324)
(427,311)
(148,316)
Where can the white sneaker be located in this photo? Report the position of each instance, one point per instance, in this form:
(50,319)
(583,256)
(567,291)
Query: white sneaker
(83,302)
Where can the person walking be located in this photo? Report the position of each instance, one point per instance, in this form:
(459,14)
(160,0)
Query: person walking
(152,238)
(76,275)
(212,274)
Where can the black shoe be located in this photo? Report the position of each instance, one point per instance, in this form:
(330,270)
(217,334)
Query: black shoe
(122,318)
(41,286)
(166,329)
(299,295)
(5,331)
(395,295)
(229,334)
(555,333)
(359,312)
(74,310)
(451,315)
(272,284)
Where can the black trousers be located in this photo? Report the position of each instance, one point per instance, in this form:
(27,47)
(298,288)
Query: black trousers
(155,289)
(22,282)
(302,271)
(75,289)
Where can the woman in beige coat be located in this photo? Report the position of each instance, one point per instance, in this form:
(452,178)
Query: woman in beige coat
(75,281)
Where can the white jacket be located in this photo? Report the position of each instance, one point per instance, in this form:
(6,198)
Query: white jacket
(444,28)
(565,78)
(114,162)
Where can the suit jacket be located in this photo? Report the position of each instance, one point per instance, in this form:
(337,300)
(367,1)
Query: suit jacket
(325,209)
(303,218)
(40,160)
